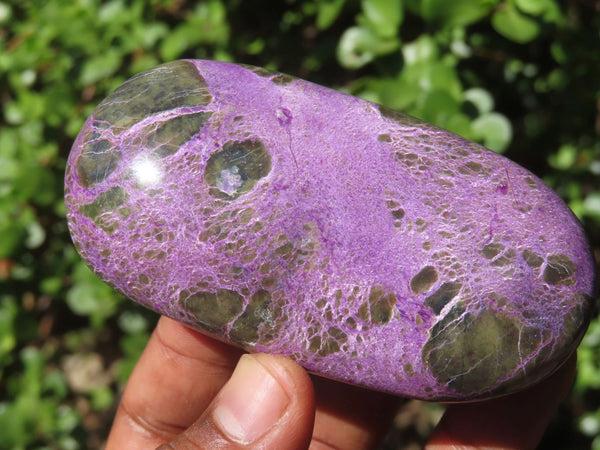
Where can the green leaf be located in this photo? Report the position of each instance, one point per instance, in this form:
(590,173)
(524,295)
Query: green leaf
(327,12)
(588,372)
(533,7)
(150,34)
(11,235)
(5,13)
(456,13)
(132,346)
(425,77)
(443,77)
(8,314)
(101,66)
(67,419)
(459,124)
(397,93)
(91,297)
(559,53)
(589,424)
(101,399)
(359,46)
(13,113)
(205,26)
(548,10)
(143,63)
(592,336)
(132,322)
(111,11)
(54,382)
(438,107)
(482,99)
(513,25)
(422,49)
(591,205)
(565,158)
(384,16)
(175,44)
(36,235)
(494,130)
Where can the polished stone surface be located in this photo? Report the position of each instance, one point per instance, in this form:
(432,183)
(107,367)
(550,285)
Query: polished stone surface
(286,217)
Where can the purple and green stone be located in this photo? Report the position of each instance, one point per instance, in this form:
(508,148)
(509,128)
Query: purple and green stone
(285,217)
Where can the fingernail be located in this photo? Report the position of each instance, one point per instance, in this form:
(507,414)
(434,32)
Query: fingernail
(250,403)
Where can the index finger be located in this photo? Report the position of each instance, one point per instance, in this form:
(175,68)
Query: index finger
(177,376)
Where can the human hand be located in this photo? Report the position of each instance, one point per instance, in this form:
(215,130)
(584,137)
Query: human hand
(189,391)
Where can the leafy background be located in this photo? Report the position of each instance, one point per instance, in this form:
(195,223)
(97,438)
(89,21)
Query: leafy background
(520,76)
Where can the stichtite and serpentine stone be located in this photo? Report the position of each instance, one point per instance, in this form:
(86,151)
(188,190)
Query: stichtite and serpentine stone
(285,217)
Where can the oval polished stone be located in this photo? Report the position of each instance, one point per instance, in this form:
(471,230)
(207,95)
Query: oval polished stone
(285,217)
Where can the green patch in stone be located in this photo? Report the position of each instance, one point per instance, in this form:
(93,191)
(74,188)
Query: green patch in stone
(337,334)
(505,259)
(332,341)
(490,251)
(398,117)
(236,168)
(173,85)
(124,212)
(398,213)
(532,259)
(97,161)
(314,344)
(473,168)
(381,305)
(457,311)
(476,167)
(531,183)
(258,312)
(275,77)
(329,343)
(282,79)
(472,353)
(168,136)
(576,320)
(559,270)
(440,298)
(423,281)
(212,310)
(501,262)
(107,201)
(328,347)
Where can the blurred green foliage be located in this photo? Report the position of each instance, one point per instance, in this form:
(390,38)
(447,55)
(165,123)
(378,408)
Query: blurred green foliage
(520,76)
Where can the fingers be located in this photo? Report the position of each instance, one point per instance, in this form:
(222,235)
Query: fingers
(267,403)
(175,379)
(179,394)
(349,417)
(517,421)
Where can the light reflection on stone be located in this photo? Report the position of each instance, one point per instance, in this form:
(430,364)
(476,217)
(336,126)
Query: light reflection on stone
(147,172)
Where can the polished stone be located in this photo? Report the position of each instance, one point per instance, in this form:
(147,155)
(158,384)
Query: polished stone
(285,217)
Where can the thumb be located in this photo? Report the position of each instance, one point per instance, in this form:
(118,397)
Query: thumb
(267,403)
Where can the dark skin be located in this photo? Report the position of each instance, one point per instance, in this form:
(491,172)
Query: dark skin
(189,391)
